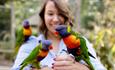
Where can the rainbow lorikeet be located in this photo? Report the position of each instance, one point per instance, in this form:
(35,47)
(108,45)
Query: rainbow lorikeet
(23,34)
(76,44)
(37,54)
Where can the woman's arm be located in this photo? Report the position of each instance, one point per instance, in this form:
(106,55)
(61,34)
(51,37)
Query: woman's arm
(24,51)
(22,54)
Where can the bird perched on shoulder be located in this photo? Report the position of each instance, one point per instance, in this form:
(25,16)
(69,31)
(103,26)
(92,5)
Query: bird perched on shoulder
(23,34)
(76,44)
(27,31)
(37,54)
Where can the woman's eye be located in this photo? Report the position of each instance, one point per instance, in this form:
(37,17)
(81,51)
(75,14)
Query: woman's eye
(61,15)
(50,14)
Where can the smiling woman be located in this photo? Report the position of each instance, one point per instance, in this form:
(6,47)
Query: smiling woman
(52,17)
(54,12)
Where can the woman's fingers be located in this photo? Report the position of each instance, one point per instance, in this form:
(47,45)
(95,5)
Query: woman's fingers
(75,66)
(63,63)
(63,68)
(45,68)
(64,58)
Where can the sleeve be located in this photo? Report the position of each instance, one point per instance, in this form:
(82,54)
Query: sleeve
(24,51)
(96,62)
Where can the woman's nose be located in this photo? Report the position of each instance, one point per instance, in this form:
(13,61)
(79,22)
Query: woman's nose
(56,18)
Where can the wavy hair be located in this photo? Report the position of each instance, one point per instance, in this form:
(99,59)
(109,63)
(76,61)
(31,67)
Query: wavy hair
(63,10)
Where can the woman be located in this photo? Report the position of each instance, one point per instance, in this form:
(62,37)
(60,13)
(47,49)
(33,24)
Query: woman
(54,12)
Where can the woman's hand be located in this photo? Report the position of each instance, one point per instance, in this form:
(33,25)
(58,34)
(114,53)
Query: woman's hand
(67,63)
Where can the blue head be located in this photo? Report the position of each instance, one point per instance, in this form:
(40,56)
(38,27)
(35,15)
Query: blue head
(46,45)
(62,30)
(26,24)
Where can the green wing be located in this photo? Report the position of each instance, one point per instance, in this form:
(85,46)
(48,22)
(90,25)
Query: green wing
(84,52)
(19,36)
(32,56)
(19,39)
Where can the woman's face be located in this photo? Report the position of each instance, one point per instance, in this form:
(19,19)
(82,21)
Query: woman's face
(52,17)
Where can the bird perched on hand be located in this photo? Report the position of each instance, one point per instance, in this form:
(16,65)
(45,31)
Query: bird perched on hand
(76,44)
(37,54)
(23,34)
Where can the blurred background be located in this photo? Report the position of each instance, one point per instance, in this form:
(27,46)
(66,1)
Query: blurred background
(95,19)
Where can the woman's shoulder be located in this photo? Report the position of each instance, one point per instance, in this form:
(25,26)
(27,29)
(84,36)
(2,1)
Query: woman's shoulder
(41,37)
(31,43)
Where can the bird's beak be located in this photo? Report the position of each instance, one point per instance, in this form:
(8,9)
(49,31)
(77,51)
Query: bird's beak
(56,33)
(50,47)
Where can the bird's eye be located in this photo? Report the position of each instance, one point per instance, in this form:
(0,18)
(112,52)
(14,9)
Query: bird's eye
(50,13)
(39,41)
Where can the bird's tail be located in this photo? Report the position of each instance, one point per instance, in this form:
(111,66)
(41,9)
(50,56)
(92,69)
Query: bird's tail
(22,66)
(91,55)
(90,65)
(35,65)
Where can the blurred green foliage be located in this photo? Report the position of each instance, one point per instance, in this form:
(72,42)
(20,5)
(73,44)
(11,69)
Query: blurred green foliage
(98,18)
(25,9)
(5,23)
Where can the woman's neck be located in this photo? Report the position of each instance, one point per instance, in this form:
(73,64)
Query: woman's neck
(52,36)
(55,41)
